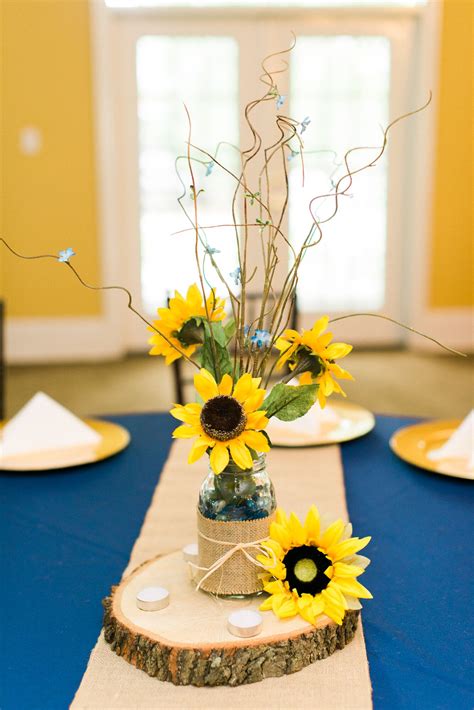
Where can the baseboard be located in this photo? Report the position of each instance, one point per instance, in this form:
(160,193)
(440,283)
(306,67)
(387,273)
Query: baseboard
(452,326)
(65,339)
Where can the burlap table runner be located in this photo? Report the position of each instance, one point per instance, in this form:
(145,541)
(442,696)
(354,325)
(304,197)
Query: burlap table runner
(301,477)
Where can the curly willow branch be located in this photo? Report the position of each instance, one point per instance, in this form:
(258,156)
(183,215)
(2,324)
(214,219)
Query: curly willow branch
(402,325)
(130,305)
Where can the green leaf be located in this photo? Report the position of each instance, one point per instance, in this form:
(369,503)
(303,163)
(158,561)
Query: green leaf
(287,402)
(229,329)
(217,331)
(206,358)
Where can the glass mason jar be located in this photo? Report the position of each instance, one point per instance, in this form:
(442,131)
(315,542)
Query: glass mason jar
(236,495)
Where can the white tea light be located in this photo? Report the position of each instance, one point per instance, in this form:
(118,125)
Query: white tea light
(152,598)
(190,552)
(245,623)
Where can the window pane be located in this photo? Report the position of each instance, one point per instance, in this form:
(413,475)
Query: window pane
(203,73)
(342,83)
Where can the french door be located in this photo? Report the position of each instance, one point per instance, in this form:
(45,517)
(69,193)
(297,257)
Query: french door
(348,76)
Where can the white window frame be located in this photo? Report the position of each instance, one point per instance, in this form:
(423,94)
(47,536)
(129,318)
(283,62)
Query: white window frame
(118,168)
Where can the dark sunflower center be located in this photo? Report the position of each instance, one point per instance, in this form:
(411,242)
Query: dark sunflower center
(305,567)
(223,418)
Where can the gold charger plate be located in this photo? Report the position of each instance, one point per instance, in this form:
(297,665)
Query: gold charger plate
(114,439)
(354,422)
(413,443)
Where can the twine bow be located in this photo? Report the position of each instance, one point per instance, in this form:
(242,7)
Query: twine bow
(240,546)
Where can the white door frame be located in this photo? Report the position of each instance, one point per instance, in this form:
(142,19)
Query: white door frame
(112,177)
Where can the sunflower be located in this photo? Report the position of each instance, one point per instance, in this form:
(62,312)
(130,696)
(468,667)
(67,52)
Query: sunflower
(311,571)
(311,355)
(229,422)
(181,323)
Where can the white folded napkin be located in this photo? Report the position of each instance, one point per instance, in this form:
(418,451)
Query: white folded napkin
(44,425)
(460,445)
(311,424)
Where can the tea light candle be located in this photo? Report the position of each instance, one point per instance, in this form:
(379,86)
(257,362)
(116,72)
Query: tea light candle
(245,623)
(152,598)
(190,552)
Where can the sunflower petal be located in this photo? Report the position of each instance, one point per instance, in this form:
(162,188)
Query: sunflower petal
(197,450)
(257,420)
(297,531)
(332,534)
(205,385)
(347,547)
(350,586)
(266,605)
(281,534)
(184,431)
(312,524)
(226,384)
(219,457)
(256,440)
(240,454)
(243,388)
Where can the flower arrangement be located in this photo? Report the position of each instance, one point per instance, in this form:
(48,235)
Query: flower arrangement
(307,570)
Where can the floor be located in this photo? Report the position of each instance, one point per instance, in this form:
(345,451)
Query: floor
(391,382)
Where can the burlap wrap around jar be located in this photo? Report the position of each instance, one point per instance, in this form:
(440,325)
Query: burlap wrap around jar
(237,574)
(235,510)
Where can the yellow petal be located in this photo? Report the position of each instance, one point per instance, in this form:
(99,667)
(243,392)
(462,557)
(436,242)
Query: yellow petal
(226,384)
(312,524)
(219,457)
(298,533)
(332,534)
(281,516)
(275,587)
(347,547)
(255,401)
(256,420)
(306,378)
(244,388)
(266,605)
(352,587)
(281,534)
(341,569)
(198,449)
(184,431)
(205,385)
(284,608)
(240,454)
(320,326)
(189,413)
(256,440)
(337,350)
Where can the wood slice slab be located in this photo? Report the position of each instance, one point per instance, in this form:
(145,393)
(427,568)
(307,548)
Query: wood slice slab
(188,642)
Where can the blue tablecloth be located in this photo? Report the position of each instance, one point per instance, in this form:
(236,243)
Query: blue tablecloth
(66,537)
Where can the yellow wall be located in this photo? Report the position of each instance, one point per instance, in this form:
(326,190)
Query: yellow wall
(49,199)
(451,264)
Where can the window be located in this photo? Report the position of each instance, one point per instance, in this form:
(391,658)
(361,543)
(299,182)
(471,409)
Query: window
(347,73)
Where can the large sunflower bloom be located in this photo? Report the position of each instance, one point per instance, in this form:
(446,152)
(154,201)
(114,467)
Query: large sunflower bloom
(312,355)
(176,323)
(229,422)
(311,571)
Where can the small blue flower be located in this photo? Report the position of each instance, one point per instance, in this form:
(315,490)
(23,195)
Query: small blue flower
(293,154)
(236,276)
(246,330)
(280,101)
(304,124)
(261,338)
(209,168)
(66,254)
(211,250)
